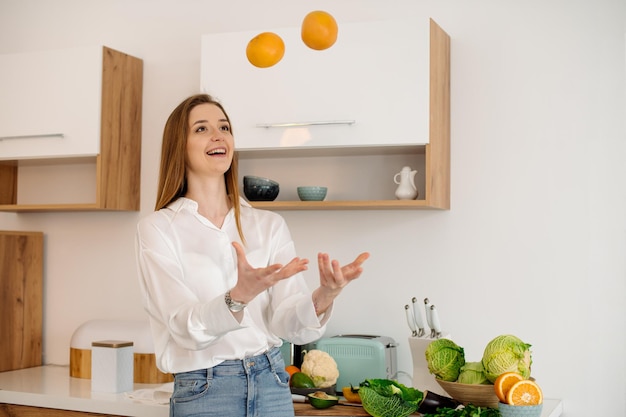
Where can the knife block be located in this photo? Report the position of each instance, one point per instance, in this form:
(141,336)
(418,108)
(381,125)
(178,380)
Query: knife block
(423,380)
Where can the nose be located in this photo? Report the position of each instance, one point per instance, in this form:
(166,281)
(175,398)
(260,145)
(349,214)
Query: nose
(217,135)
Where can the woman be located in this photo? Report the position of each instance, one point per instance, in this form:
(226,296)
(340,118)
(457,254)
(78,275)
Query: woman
(220,280)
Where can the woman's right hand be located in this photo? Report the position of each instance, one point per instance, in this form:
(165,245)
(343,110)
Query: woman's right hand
(253,281)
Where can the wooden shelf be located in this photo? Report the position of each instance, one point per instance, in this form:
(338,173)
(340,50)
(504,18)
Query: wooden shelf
(344,205)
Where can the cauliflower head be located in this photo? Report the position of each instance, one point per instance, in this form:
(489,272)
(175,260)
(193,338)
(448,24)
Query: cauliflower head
(321,368)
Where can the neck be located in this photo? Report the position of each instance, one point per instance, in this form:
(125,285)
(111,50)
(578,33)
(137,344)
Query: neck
(213,202)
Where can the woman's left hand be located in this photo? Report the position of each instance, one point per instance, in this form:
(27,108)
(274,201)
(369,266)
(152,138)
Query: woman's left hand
(333,278)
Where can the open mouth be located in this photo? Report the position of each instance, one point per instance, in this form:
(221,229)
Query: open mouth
(217,151)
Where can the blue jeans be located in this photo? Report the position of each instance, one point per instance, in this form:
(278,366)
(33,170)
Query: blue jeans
(256,386)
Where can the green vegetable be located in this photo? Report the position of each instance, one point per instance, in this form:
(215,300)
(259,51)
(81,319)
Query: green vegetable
(506,353)
(466,411)
(301,380)
(322,400)
(445,359)
(472,373)
(387,398)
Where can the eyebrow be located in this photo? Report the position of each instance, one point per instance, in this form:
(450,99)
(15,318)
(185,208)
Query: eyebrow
(206,121)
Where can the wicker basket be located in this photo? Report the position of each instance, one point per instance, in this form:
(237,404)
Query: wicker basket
(477,394)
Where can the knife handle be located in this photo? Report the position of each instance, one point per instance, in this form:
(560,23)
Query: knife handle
(417,315)
(435,319)
(429,319)
(409,320)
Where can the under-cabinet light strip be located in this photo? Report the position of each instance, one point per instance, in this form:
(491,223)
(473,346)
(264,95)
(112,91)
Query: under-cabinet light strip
(44,135)
(299,124)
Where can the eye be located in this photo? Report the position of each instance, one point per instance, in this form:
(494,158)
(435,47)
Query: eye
(225,128)
(200,129)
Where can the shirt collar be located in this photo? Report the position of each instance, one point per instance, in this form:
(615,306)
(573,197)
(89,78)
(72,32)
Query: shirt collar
(184,202)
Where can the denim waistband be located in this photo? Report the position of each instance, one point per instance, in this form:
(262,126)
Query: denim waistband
(264,360)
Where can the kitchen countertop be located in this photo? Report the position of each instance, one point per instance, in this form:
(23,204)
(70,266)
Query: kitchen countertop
(51,386)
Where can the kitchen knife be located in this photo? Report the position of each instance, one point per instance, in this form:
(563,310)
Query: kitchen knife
(409,320)
(435,319)
(429,318)
(417,317)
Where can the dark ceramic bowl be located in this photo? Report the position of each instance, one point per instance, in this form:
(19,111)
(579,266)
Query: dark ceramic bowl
(260,189)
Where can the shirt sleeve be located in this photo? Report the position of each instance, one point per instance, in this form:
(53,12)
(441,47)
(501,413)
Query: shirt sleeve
(173,307)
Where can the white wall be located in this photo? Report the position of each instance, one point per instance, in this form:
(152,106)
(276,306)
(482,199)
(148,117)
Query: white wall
(533,245)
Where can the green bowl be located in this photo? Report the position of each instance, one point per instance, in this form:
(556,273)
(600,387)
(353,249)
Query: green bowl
(312,193)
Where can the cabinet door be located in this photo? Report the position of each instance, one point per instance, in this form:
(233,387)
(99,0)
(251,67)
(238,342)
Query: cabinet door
(50,103)
(375,78)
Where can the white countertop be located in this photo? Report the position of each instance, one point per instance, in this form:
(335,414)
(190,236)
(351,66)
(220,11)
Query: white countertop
(51,386)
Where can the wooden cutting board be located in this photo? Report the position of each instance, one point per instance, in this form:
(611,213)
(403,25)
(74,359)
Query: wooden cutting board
(21,299)
(306,409)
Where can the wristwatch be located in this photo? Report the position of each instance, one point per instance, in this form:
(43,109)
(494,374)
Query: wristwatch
(233,305)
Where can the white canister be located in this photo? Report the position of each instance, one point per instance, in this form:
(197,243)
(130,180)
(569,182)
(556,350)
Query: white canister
(112,365)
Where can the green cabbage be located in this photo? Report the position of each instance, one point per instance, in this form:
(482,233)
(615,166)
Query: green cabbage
(472,373)
(388,398)
(506,353)
(445,359)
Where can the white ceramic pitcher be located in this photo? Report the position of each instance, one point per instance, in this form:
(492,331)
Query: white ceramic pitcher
(406,184)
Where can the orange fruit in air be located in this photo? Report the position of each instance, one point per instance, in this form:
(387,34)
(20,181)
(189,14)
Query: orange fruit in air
(525,392)
(265,49)
(292,369)
(504,382)
(319,30)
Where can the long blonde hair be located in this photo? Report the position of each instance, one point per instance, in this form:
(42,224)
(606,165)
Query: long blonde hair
(172,174)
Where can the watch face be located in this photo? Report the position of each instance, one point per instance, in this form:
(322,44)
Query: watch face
(236,307)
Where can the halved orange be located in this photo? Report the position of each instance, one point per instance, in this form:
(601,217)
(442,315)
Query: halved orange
(351,394)
(525,392)
(265,50)
(504,382)
(319,30)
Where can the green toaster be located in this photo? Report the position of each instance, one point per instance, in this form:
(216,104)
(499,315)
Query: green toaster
(360,357)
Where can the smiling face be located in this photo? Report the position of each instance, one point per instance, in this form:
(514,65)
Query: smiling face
(210,144)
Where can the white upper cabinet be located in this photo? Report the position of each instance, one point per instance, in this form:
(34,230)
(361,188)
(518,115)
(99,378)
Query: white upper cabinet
(371,88)
(50,103)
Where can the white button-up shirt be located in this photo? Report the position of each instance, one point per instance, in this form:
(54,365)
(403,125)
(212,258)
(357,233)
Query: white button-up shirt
(186,264)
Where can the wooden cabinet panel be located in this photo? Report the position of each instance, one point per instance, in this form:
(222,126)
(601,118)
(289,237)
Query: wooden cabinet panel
(21,299)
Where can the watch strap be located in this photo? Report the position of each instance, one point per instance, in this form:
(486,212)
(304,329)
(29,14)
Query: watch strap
(233,305)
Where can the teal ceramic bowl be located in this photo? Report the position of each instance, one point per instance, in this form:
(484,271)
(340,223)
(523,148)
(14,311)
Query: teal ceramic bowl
(312,193)
(507,410)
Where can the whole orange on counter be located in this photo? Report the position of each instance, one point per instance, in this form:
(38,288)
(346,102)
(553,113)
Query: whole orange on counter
(292,369)
(319,30)
(265,50)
